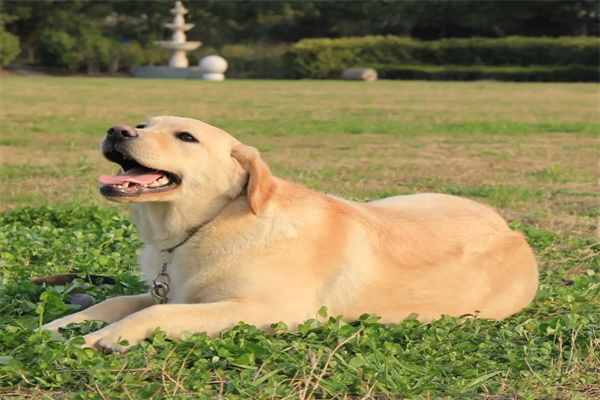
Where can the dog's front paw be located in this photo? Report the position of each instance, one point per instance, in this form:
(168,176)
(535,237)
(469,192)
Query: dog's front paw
(109,339)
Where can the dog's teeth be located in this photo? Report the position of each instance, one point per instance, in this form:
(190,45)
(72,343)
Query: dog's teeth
(125,185)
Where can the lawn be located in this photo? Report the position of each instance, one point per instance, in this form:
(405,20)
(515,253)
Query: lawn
(530,150)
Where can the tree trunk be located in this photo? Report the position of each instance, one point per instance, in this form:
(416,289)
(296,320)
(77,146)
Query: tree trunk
(115,63)
(29,44)
(30,53)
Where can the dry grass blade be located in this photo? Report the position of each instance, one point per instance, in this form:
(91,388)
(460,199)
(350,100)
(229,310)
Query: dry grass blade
(324,370)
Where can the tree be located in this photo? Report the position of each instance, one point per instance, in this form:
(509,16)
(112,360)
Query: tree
(9,48)
(30,18)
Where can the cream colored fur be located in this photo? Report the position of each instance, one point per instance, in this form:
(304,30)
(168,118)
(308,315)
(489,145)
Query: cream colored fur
(276,251)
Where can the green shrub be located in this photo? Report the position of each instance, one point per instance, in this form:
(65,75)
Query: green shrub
(87,48)
(321,58)
(518,51)
(156,55)
(124,56)
(9,47)
(58,49)
(324,58)
(94,49)
(574,73)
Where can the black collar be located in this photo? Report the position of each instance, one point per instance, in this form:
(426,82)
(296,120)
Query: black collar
(191,233)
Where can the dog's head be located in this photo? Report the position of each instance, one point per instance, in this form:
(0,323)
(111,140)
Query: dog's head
(172,159)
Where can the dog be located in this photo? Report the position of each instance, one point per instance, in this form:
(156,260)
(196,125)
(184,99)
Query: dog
(226,241)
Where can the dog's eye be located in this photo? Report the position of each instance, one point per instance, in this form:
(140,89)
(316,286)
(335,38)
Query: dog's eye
(140,126)
(186,137)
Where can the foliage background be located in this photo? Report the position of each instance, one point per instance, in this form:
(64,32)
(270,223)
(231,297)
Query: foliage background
(117,35)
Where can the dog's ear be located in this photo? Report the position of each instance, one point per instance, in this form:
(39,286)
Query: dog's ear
(261,185)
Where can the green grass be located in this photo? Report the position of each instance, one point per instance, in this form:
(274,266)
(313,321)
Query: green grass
(530,150)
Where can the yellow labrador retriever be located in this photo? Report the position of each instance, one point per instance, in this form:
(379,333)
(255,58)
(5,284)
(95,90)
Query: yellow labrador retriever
(226,241)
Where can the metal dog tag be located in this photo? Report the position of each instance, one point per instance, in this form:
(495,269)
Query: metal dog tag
(160,286)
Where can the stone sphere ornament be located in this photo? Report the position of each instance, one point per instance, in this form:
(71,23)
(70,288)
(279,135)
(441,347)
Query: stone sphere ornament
(213,68)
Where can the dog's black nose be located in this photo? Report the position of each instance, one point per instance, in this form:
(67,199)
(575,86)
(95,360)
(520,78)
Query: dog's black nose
(122,131)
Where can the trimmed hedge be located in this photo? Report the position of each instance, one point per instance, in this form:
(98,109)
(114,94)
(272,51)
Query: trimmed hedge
(574,73)
(324,58)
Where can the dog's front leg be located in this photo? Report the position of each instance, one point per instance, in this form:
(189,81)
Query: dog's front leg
(173,319)
(110,311)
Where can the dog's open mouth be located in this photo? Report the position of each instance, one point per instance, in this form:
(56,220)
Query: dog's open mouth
(136,179)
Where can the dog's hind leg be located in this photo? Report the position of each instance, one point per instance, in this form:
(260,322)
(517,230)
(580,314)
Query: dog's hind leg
(111,310)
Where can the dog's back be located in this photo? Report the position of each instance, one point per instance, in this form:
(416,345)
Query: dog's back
(440,254)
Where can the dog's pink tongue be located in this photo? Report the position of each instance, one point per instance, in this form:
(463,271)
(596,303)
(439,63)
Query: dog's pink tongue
(142,176)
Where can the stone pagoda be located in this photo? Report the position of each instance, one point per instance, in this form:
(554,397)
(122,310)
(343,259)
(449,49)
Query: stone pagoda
(178,44)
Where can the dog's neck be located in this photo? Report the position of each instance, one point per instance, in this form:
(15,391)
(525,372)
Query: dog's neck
(163,224)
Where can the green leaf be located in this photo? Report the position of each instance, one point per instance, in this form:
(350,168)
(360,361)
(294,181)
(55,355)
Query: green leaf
(482,378)
(357,361)
(266,376)
(244,360)
(5,359)
(185,335)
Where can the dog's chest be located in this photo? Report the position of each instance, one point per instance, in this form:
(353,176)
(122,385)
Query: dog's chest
(191,278)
